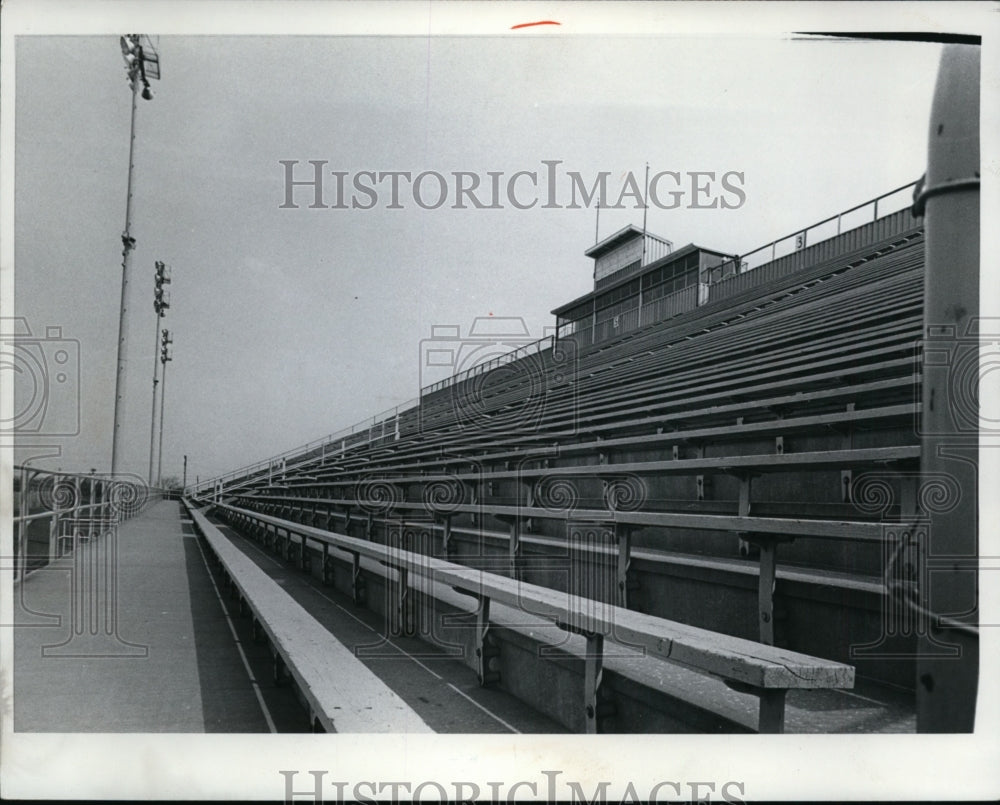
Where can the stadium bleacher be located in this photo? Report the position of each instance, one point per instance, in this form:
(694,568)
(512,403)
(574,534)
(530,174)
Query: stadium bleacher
(667,466)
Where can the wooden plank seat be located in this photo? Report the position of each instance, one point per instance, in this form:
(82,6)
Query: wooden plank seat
(421,458)
(680,427)
(853,354)
(343,695)
(653,404)
(766,532)
(735,465)
(771,322)
(767,671)
(705,319)
(739,370)
(827,318)
(700,406)
(806,330)
(732,372)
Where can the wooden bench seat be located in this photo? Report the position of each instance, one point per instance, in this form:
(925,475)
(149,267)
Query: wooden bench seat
(700,356)
(343,695)
(768,671)
(681,427)
(433,455)
(757,463)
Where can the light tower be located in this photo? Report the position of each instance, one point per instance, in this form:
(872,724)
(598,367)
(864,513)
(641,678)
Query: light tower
(161,301)
(141,63)
(165,342)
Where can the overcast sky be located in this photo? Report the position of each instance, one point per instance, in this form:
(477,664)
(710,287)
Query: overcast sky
(292,323)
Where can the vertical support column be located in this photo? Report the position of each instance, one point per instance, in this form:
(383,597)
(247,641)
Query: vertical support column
(403,622)
(357,580)
(22,526)
(593,673)
(327,565)
(623,538)
(954,339)
(514,549)
(765,590)
(487,649)
(772,711)
(743,510)
(54,524)
(304,560)
(472,493)
(446,547)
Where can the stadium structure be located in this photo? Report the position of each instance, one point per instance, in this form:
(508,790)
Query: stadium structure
(728,493)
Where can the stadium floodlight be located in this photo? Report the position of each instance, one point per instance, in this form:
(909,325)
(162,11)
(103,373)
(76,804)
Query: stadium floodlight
(165,356)
(161,301)
(142,62)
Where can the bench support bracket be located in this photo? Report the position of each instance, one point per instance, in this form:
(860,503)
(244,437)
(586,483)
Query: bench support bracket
(403,624)
(623,537)
(593,673)
(487,649)
(446,546)
(357,580)
(772,711)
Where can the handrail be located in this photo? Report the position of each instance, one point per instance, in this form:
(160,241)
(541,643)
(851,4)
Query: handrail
(281,462)
(59,497)
(533,348)
(804,233)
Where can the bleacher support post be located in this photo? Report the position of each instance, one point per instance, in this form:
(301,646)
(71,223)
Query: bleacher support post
(623,539)
(357,581)
(487,649)
(593,673)
(772,711)
(765,591)
(446,546)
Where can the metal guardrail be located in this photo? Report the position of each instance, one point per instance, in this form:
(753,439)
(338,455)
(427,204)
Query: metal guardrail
(77,508)
(775,258)
(378,427)
(815,233)
(534,348)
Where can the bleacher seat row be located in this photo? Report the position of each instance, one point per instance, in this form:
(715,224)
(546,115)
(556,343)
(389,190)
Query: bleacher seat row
(721,432)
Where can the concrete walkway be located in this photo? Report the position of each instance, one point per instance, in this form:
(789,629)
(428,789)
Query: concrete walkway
(106,637)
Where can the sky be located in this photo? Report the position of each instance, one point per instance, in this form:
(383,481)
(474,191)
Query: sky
(290,324)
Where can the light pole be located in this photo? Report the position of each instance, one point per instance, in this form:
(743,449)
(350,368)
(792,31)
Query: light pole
(161,301)
(141,64)
(165,342)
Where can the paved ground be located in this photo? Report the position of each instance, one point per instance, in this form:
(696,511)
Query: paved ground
(128,635)
(131,634)
(170,654)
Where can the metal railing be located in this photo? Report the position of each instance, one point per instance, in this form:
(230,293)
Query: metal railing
(78,508)
(738,273)
(381,426)
(534,348)
(831,227)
